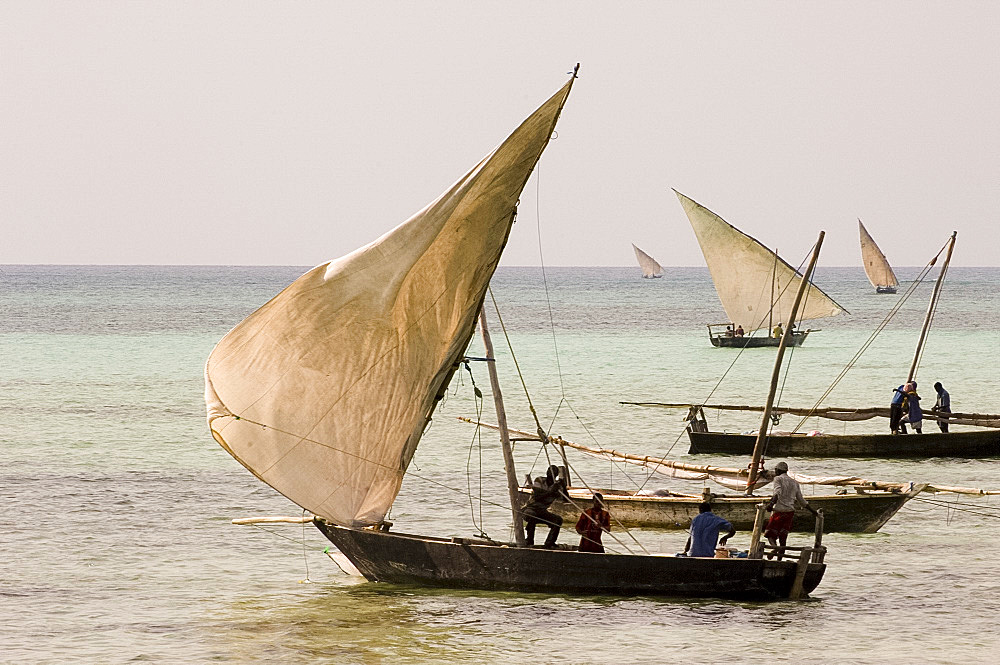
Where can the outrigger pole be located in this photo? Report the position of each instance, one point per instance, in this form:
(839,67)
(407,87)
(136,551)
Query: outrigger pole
(758,448)
(931,306)
(508,455)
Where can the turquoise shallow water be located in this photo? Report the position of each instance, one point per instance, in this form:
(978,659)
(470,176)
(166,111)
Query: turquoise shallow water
(118,547)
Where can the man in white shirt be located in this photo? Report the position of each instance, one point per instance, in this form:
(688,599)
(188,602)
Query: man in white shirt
(786,497)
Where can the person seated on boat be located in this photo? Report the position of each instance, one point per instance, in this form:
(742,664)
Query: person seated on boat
(705,528)
(739,331)
(896,408)
(729,331)
(777,332)
(544,491)
(913,414)
(786,497)
(942,406)
(592,523)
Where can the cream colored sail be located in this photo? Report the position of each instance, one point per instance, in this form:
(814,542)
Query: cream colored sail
(748,275)
(876,266)
(324,392)
(650,268)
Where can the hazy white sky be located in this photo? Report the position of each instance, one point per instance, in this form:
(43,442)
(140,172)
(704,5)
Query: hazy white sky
(292,133)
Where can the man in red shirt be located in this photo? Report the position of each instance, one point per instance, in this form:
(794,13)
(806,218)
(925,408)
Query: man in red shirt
(592,523)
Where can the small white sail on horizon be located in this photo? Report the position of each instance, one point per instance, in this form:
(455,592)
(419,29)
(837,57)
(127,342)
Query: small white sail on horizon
(324,392)
(877,267)
(753,283)
(650,268)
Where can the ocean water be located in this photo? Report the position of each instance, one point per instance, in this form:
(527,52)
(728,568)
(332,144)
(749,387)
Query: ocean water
(118,547)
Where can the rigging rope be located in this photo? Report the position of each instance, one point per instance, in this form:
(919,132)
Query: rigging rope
(871,339)
(476,437)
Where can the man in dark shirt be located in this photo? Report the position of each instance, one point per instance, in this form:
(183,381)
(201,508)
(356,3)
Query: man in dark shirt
(544,491)
(942,406)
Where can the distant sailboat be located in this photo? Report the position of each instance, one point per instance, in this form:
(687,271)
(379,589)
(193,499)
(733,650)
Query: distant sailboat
(756,287)
(650,268)
(876,266)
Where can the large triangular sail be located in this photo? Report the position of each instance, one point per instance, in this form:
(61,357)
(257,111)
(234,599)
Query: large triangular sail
(324,392)
(650,268)
(751,280)
(876,265)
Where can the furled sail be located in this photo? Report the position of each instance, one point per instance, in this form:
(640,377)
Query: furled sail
(324,392)
(748,275)
(650,268)
(876,266)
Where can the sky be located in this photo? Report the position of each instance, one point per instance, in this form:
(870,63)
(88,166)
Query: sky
(277,133)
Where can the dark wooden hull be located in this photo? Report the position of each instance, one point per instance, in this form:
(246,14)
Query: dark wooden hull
(845,513)
(968,444)
(885,289)
(757,341)
(405,559)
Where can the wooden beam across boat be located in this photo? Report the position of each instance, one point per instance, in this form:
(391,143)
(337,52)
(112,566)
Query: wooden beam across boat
(847,413)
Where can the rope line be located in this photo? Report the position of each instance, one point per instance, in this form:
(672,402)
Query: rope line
(871,339)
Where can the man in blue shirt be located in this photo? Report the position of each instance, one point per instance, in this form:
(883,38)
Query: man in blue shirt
(705,528)
(896,408)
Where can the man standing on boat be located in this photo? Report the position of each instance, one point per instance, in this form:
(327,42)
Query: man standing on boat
(705,528)
(777,332)
(942,406)
(544,491)
(787,495)
(896,408)
(911,407)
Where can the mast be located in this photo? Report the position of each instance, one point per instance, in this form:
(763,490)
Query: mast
(786,335)
(508,455)
(930,308)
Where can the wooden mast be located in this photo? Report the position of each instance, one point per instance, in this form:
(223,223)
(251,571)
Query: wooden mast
(508,455)
(930,308)
(786,334)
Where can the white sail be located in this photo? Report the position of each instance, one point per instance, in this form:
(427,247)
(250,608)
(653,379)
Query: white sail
(324,392)
(748,275)
(876,266)
(650,268)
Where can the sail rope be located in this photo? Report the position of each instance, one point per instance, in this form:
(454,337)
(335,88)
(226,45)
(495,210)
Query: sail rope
(477,438)
(543,437)
(962,507)
(910,290)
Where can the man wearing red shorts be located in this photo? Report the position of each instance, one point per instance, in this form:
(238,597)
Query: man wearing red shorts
(786,497)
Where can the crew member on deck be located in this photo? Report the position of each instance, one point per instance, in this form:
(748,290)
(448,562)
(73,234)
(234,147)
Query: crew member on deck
(913,414)
(705,528)
(942,406)
(544,491)
(777,332)
(592,523)
(896,408)
(787,495)
(739,331)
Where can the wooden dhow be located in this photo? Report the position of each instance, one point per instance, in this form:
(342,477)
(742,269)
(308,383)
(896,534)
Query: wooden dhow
(860,505)
(650,268)
(325,391)
(963,443)
(877,267)
(755,286)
